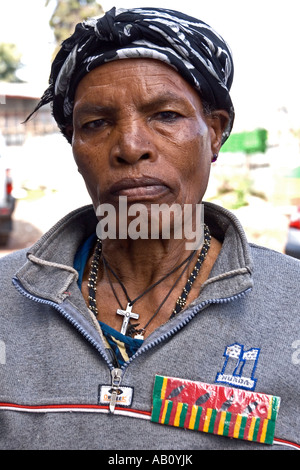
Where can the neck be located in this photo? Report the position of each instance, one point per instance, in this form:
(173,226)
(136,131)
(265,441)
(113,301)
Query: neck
(143,262)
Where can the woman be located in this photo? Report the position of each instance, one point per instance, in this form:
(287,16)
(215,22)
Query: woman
(142,96)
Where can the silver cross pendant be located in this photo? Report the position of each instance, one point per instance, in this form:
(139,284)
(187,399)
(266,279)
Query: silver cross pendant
(127,314)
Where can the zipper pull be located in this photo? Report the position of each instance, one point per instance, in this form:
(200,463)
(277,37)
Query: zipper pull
(116,376)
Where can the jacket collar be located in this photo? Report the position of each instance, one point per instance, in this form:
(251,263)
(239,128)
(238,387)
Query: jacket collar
(232,271)
(48,272)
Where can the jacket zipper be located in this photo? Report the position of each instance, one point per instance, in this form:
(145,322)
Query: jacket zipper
(116,378)
(116,372)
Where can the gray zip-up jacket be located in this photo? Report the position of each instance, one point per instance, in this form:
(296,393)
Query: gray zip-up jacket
(242,332)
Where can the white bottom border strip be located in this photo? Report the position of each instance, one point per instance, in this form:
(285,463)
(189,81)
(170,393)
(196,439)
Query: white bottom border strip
(62,409)
(118,411)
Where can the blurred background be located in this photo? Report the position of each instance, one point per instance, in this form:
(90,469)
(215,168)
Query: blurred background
(257,175)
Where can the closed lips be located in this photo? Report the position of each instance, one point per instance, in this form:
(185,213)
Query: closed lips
(136,186)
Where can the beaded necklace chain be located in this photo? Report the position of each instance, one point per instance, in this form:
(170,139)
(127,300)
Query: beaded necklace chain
(131,329)
(127,328)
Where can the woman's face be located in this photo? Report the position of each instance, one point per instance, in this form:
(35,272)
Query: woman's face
(139,131)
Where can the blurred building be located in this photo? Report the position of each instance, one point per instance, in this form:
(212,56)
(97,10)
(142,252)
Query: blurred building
(17,101)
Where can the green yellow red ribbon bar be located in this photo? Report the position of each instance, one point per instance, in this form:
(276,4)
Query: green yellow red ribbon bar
(215,409)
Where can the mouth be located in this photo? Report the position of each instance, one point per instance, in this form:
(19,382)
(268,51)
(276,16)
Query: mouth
(139,188)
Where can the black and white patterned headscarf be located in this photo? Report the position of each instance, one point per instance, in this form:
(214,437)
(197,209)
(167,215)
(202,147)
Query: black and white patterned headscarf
(188,45)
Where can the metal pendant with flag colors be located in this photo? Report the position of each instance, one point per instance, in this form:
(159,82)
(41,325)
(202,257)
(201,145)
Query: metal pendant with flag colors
(215,409)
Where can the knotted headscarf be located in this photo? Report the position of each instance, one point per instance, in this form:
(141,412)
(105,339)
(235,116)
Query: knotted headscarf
(188,45)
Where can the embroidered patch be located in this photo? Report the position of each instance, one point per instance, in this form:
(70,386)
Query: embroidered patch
(239,367)
(215,409)
(124,397)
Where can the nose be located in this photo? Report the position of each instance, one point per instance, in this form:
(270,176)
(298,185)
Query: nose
(132,143)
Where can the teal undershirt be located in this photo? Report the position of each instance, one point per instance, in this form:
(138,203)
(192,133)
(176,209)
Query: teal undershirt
(131,345)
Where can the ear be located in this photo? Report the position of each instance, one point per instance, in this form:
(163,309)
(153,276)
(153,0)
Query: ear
(217,122)
(69,133)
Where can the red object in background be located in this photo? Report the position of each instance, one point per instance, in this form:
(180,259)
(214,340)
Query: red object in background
(9,186)
(295,219)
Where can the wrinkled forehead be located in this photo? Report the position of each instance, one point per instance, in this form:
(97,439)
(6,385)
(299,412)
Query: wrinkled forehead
(142,80)
(134,89)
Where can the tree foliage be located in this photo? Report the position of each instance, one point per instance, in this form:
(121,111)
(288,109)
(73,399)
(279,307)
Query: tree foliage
(68,13)
(10,62)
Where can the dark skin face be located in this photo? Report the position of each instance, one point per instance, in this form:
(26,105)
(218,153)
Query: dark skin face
(139,131)
(139,119)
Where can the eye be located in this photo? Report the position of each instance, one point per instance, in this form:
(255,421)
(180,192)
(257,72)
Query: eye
(96,124)
(167,116)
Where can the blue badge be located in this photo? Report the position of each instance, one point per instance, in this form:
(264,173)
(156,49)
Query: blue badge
(239,367)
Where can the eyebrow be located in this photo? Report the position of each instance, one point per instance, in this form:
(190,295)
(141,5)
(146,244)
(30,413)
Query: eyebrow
(86,108)
(156,102)
(163,100)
